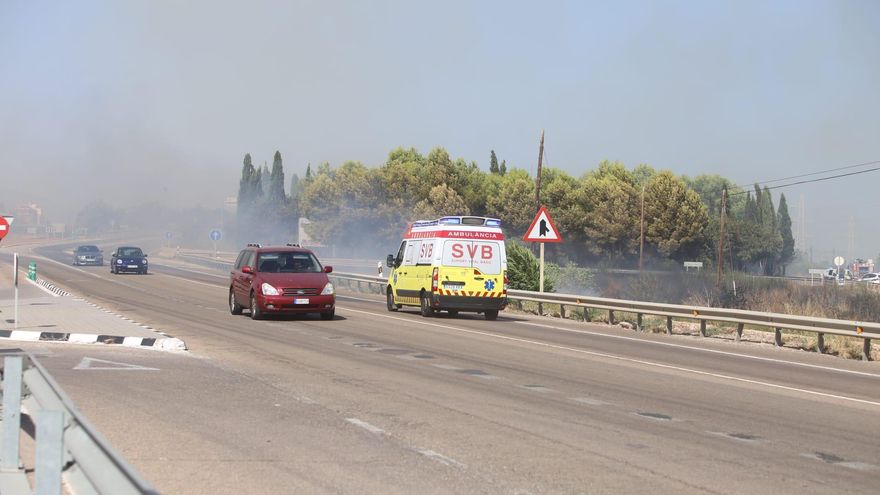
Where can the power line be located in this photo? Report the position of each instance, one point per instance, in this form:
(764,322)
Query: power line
(813,173)
(814,180)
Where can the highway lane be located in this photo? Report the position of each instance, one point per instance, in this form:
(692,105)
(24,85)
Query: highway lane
(496,406)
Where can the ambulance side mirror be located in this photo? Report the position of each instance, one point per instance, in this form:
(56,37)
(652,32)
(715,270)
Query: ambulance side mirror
(390,260)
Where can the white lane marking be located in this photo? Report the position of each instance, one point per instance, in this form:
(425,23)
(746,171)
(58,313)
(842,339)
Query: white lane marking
(629,360)
(670,344)
(442,459)
(447,367)
(86,364)
(590,402)
(681,346)
(366,426)
(215,286)
(356,298)
(861,466)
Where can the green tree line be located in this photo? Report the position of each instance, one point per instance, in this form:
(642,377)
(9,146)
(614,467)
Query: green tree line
(597,214)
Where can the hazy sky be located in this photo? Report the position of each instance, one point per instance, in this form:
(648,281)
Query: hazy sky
(131,101)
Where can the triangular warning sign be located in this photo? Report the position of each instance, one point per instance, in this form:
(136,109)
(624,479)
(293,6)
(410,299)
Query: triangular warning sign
(542,228)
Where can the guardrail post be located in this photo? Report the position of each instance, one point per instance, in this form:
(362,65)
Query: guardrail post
(820,343)
(668,325)
(49,457)
(586,313)
(866,350)
(739,331)
(540,309)
(702,328)
(639,322)
(562,311)
(12,372)
(611,317)
(778,337)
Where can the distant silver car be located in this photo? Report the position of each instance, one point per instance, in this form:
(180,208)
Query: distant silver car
(870,278)
(88,255)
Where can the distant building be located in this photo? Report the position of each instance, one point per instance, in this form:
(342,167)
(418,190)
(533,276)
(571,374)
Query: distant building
(29,215)
(231,204)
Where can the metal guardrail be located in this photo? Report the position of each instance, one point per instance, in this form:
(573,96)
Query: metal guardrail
(778,321)
(66,445)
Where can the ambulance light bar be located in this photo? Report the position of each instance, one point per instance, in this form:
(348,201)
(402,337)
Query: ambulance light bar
(474,221)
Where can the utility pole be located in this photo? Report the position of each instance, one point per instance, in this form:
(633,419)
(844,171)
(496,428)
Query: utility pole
(642,232)
(721,236)
(538,177)
(538,205)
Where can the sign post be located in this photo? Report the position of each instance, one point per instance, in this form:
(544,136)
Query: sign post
(841,276)
(542,230)
(215,236)
(15,283)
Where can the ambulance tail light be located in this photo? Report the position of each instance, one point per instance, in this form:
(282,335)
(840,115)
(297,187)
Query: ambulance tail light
(506,283)
(435,279)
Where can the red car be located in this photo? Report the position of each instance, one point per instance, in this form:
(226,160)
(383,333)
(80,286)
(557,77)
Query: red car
(280,280)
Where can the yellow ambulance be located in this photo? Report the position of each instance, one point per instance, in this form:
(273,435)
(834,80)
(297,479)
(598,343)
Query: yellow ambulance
(454,263)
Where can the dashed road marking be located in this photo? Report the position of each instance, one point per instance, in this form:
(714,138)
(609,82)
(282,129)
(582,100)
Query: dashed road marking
(367,426)
(631,360)
(442,459)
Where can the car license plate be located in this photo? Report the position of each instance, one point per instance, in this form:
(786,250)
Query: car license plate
(301,301)
(132,266)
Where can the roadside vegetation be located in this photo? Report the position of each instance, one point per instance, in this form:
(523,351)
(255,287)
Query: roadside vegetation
(359,209)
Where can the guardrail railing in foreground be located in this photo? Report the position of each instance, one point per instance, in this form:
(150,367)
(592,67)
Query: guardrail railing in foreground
(66,445)
(777,321)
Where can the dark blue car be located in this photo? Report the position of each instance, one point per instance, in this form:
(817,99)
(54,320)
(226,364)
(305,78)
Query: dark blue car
(128,259)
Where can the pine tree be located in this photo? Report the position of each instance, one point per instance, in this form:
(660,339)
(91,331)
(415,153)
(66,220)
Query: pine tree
(503,168)
(493,163)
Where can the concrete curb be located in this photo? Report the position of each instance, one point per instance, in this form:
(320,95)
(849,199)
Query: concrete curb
(52,288)
(165,344)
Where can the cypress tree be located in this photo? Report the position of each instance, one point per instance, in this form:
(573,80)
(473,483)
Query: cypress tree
(245,185)
(503,168)
(276,180)
(784,224)
(493,163)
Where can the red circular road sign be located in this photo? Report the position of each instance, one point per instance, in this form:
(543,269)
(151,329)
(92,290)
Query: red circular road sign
(4,227)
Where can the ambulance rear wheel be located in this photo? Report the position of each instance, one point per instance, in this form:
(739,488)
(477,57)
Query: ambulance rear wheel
(390,301)
(491,314)
(425,306)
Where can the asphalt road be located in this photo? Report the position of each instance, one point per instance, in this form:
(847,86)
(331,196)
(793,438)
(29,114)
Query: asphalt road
(379,402)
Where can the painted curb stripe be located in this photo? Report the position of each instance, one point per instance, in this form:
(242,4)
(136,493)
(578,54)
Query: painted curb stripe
(85,338)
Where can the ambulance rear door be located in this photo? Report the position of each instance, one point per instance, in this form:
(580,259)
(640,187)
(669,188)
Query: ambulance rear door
(471,266)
